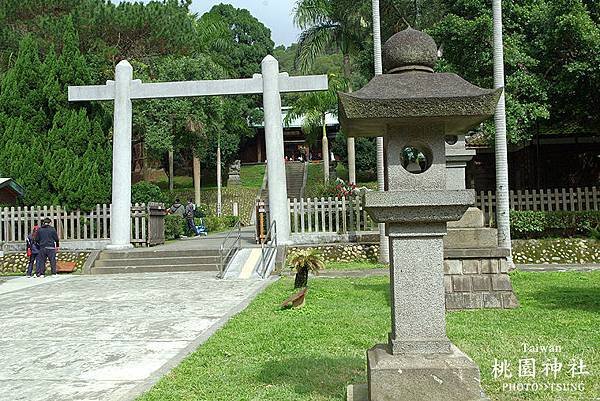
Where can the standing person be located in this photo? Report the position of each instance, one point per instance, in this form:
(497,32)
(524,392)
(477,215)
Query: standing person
(190,208)
(33,251)
(47,240)
(177,208)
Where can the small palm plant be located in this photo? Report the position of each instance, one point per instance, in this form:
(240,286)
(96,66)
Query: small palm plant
(303,262)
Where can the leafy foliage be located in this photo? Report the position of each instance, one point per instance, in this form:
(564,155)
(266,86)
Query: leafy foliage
(174,226)
(551,56)
(144,192)
(303,262)
(57,152)
(531,224)
(61,152)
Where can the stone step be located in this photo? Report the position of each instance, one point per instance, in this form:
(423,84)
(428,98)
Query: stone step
(155,269)
(184,260)
(465,238)
(150,254)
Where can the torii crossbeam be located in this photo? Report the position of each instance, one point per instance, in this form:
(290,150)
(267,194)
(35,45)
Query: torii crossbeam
(124,89)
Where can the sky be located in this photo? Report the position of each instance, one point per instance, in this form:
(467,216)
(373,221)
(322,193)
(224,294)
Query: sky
(275,14)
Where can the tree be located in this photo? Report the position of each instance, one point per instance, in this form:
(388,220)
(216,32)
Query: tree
(57,152)
(250,41)
(313,108)
(305,261)
(502,195)
(327,22)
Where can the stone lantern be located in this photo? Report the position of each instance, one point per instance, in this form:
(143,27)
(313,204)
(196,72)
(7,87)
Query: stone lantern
(417,111)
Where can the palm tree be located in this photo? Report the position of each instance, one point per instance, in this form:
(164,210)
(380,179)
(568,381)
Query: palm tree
(303,262)
(313,107)
(384,256)
(326,23)
(502,195)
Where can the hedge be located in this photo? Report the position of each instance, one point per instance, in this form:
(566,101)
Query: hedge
(530,224)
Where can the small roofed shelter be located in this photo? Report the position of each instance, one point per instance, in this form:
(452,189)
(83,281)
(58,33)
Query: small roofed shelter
(10,192)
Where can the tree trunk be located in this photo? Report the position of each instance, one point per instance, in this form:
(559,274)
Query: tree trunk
(197,179)
(325,151)
(301,279)
(350,141)
(384,256)
(502,194)
(219,179)
(171,174)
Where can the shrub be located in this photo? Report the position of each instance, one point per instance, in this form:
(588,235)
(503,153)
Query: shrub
(214,223)
(144,192)
(303,262)
(174,226)
(530,224)
(202,210)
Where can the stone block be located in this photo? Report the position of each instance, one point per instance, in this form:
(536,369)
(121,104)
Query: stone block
(448,284)
(461,284)
(481,283)
(452,266)
(501,282)
(473,300)
(454,301)
(509,300)
(471,238)
(492,301)
(471,266)
(422,377)
(489,266)
(503,266)
(473,218)
(357,392)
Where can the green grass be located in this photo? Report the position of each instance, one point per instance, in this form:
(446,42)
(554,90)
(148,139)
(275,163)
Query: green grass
(353,265)
(251,176)
(266,353)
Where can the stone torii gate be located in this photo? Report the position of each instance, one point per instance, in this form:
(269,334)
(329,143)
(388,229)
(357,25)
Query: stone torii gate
(124,89)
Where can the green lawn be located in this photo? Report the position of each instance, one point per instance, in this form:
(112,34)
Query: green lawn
(266,353)
(252,175)
(353,265)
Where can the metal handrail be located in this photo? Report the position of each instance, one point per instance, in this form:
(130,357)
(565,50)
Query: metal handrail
(235,246)
(268,248)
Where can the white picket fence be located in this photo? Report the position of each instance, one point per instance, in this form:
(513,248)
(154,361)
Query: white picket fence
(329,215)
(17,222)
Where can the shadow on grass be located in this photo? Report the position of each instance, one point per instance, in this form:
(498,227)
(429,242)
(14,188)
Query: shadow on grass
(383,288)
(325,376)
(568,298)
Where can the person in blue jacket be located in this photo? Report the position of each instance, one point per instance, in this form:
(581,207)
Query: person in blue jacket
(33,252)
(47,240)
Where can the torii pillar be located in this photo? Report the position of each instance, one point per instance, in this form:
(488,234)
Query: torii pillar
(270,84)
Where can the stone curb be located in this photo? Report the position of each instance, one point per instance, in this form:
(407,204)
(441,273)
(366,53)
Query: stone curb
(584,267)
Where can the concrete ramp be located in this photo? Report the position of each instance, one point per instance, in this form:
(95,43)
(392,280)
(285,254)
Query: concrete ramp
(247,264)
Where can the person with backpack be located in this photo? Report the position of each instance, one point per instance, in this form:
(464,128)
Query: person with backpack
(47,240)
(33,252)
(177,208)
(190,209)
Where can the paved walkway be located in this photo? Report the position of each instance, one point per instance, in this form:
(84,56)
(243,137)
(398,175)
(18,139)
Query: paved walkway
(106,338)
(212,241)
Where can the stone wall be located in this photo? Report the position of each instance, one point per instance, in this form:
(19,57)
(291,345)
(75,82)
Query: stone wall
(16,262)
(476,283)
(344,252)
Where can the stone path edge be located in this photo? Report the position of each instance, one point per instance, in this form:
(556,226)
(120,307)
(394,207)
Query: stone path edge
(148,383)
